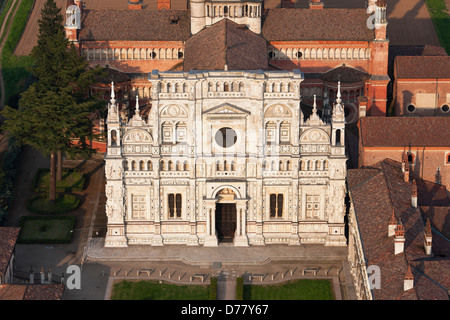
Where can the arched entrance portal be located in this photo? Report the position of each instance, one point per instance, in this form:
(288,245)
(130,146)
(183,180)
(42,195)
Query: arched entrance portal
(226,216)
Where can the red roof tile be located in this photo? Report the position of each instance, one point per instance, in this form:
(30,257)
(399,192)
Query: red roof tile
(373,200)
(226,43)
(326,24)
(405,131)
(8,238)
(422,67)
(135,25)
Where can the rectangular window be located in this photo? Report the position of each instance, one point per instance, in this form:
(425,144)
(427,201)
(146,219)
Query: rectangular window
(138,206)
(276,205)
(312,207)
(175,205)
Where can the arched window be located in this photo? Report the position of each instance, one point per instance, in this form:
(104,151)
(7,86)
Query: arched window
(149,166)
(113,137)
(161,165)
(410,158)
(185,166)
(338,137)
(141,166)
(133,165)
(170,165)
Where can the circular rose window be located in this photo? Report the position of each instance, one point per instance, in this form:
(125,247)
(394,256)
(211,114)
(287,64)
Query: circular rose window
(226,137)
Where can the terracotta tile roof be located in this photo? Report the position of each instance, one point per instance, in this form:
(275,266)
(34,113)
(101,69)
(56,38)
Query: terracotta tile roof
(326,24)
(135,25)
(375,193)
(31,292)
(429,50)
(12,292)
(226,43)
(8,238)
(431,194)
(422,67)
(45,292)
(345,75)
(405,131)
(439,218)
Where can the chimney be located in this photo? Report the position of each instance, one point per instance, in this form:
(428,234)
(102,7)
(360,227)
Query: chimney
(428,238)
(408,281)
(362,106)
(135,4)
(399,238)
(406,174)
(315,4)
(404,161)
(392,224)
(414,194)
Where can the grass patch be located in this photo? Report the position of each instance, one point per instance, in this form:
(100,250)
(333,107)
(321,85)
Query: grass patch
(45,230)
(64,203)
(441,20)
(152,290)
(16,69)
(303,289)
(72,181)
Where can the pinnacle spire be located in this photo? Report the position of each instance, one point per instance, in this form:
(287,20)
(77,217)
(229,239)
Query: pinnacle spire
(137,104)
(338,100)
(113,95)
(315,105)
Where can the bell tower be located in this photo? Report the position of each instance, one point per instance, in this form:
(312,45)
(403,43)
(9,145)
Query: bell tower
(205,13)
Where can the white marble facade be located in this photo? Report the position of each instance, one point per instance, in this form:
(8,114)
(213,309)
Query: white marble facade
(225,156)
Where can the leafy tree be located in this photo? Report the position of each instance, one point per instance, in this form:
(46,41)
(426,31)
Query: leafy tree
(54,114)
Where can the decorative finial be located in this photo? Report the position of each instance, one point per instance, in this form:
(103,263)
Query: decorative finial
(315,105)
(113,95)
(338,100)
(137,103)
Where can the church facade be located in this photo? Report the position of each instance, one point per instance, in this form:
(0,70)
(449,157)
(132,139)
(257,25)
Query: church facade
(226,124)
(223,157)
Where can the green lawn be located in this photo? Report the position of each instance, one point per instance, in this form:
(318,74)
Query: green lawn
(64,203)
(15,70)
(441,20)
(72,181)
(152,290)
(304,289)
(44,230)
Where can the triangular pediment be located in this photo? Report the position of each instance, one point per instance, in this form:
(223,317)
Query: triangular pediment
(226,109)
